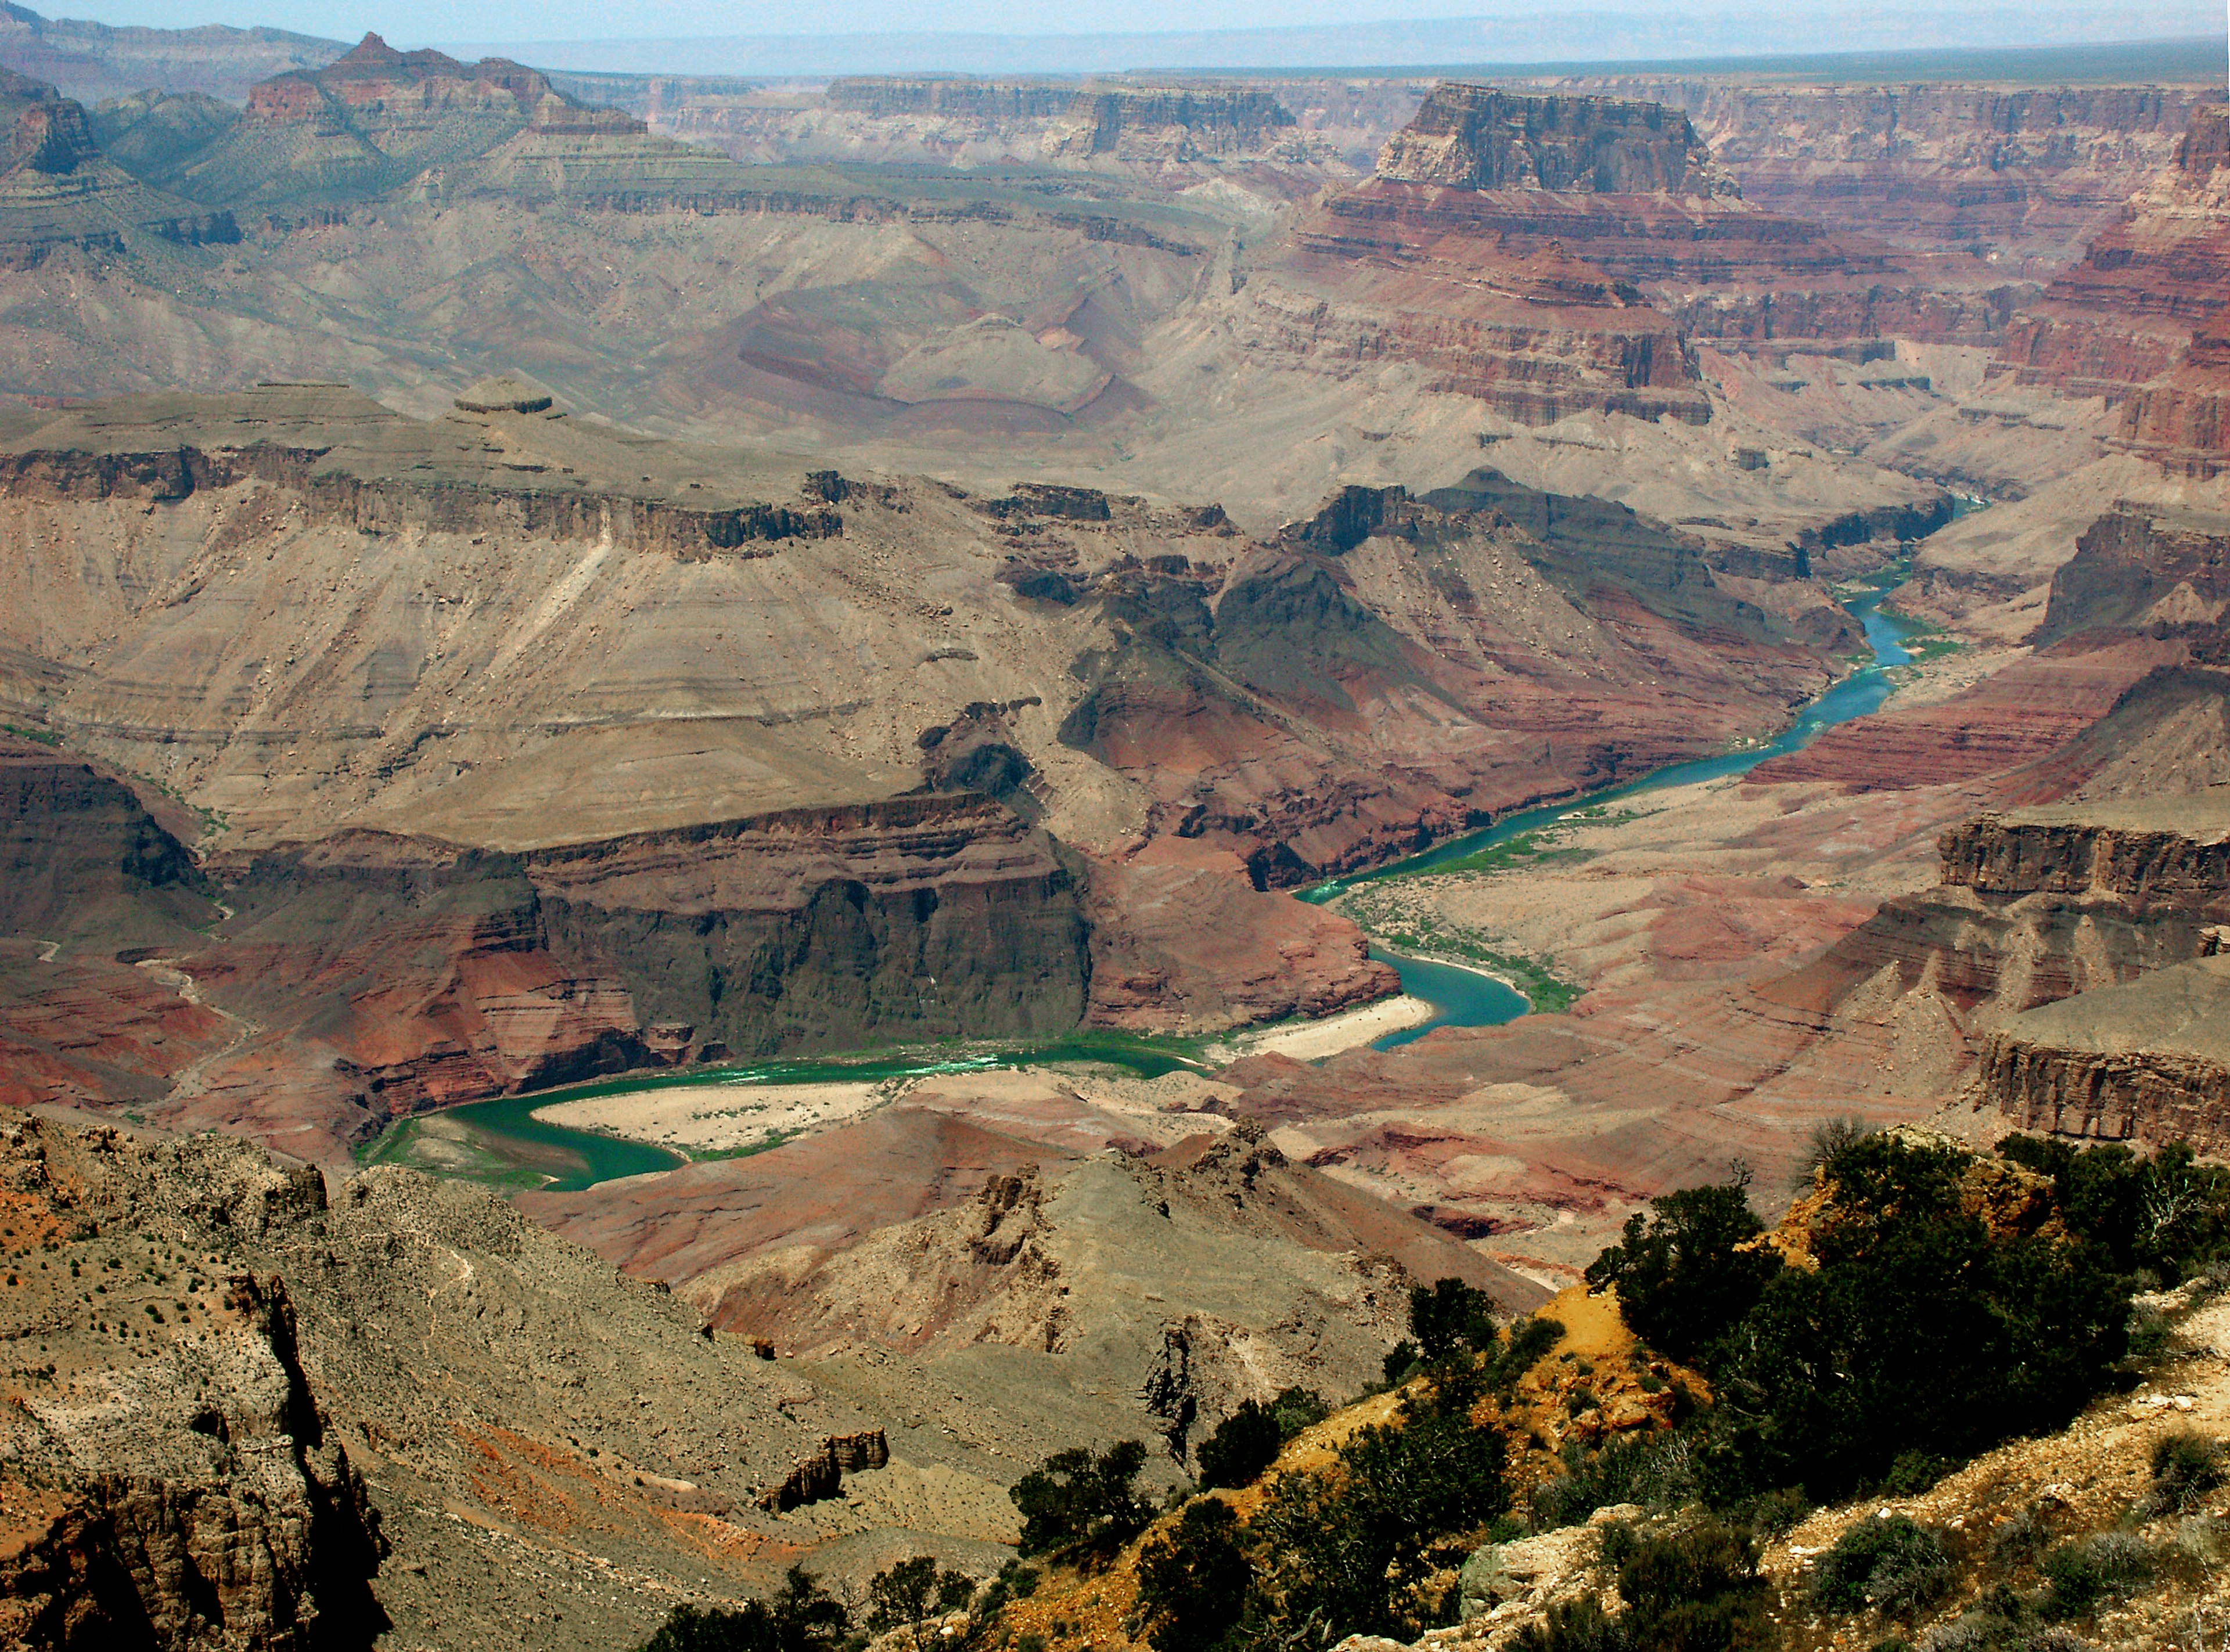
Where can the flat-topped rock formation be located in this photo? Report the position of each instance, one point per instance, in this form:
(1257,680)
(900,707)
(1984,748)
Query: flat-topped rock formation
(2018,179)
(93,61)
(2147,1060)
(1477,138)
(1135,128)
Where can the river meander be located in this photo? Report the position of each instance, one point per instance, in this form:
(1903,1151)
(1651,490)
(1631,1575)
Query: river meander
(502,1142)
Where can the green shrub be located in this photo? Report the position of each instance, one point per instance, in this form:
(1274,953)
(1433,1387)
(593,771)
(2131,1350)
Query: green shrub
(914,1594)
(1682,1282)
(1193,1579)
(2168,1215)
(1580,1625)
(1529,1340)
(1077,1505)
(2187,1466)
(1298,1408)
(1919,1332)
(1345,1551)
(1247,1442)
(1656,1471)
(1693,1590)
(2083,1573)
(1243,1444)
(800,1617)
(1449,1314)
(1896,1566)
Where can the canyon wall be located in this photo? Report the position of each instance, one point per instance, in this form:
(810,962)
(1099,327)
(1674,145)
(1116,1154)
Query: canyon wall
(2019,178)
(429,973)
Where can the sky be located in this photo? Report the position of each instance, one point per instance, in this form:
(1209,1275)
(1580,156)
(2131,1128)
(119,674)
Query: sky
(407,23)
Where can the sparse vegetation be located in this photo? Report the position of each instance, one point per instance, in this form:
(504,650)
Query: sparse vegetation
(2186,1465)
(1248,1442)
(1894,1566)
(1694,1589)
(1079,1505)
(801,1618)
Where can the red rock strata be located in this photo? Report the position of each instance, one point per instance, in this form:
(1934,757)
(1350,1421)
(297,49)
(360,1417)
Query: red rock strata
(375,79)
(2018,716)
(2019,180)
(2138,321)
(1551,253)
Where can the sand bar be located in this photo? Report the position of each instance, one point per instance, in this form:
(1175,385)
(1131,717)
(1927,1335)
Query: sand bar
(715,1118)
(1311,1040)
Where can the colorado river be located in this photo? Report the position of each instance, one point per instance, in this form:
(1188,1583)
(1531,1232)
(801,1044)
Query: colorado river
(1466,998)
(507,1130)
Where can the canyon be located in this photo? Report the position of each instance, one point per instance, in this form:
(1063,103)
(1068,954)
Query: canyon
(700,595)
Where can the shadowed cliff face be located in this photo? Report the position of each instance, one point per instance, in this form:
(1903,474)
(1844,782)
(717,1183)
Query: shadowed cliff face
(81,854)
(394,974)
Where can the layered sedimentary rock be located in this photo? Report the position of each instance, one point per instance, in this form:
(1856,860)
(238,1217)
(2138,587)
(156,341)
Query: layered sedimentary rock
(263,1416)
(392,974)
(2018,179)
(1113,1291)
(59,191)
(2134,322)
(1547,253)
(194,1497)
(92,61)
(2143,569)
(2149,1060)
(959,120)
(1476,138)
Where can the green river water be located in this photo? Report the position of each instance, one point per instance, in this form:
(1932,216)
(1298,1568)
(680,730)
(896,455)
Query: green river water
(502,1142)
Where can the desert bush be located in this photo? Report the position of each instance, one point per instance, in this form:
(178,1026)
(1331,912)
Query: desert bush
(1345,1550)
(1580,1625)
(1193,1579)
(1896,1566)
(1247,1442)
(2083,1573)
(1829,1140)
(1695,1589)
(1656,1471)
(2167,1215)
(1243,1444)
(800,1617)
(1528,1341)
(2018,1539)
(1919,1332)
(1449,1314)
(1683,1279)
(1298,1408)
(2186,1465)
(913,1596)
(1077,1505)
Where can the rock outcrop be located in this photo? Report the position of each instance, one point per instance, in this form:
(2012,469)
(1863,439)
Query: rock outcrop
(2147,1060)
(1477,138)
(170,1479)
(2143,569)
(2019,178)
(2135,322)
(391,974)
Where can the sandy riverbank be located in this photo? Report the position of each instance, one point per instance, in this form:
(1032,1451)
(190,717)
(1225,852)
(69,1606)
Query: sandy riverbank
(719,1118)
(1311,1040)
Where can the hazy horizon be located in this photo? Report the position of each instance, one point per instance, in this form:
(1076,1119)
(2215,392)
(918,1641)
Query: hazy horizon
(1514,29)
